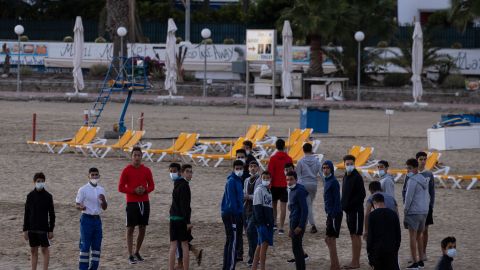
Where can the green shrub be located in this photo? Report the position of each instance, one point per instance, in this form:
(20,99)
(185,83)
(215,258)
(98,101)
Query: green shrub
(179,39)
(26,71)
(229,41)
(98,70)
(382,44)
(457,45)
(396,79)
(24,38)
(68,39)
(209,41)
(454,81)
(189,77)
(100,40)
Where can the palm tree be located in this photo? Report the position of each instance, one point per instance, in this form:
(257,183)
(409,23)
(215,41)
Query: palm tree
(464,12)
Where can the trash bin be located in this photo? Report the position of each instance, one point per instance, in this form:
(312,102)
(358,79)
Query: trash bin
(314,118)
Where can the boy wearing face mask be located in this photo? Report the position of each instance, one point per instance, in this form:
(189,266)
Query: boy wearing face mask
(333,208)
(248,147)
(449,250)
(416,204)
(241,154)
(263,219)
(353,195)
(91,201)
(232,211)
(249,187)
(386,179)
(39,221)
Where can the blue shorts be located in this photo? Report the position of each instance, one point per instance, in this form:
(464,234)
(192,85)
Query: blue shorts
(264,235)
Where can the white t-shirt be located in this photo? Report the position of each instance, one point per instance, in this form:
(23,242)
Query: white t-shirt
(88,196)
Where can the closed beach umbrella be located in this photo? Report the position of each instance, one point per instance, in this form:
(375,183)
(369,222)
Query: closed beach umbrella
(417,62)
(78,55)
(287,38)
(170,60)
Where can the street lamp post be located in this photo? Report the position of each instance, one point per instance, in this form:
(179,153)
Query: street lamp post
(206,33)
(121,32)
(359,37)
(19,31)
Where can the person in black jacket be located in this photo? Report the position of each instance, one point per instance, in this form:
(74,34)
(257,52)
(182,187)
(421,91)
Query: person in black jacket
(180,213)
(449,250)
(39,220)
(384,236)
(353,195)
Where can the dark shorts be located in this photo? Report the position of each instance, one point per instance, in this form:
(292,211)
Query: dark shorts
(355,221)
(178,231)
(429,220)
(334,222)
(138,213)
(264,235)
(38,239)
(279,193)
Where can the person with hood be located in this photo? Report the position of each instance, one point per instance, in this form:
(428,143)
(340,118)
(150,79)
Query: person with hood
(308,169)
(297,204)
(333,209)
(416,204)
(353,195)
(232,211)
(276,167)
(386,179)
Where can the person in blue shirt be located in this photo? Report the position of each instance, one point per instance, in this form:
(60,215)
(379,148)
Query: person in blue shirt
(297,204)
(333,209)
(231,211)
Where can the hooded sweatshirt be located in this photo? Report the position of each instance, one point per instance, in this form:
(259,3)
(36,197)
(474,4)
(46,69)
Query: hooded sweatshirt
(297,204)
(431,186)
(388,184)
(232,201)
(276,167)
(307,170)
(331,193)
(417,197)
(353,192)
(262,207)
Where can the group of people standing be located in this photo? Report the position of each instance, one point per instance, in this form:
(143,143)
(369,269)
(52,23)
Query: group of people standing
(250,203)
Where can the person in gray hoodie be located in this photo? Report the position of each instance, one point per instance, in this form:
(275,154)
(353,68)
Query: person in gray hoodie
(416,204)
(308,169)
(386,179)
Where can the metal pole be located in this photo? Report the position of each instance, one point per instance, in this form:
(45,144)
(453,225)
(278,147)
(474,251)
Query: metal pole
(34,127)
(389,129)
(247,87)
(358,73)
(273,69)
(18,66)
(205,70)
(141,121)
(187,20)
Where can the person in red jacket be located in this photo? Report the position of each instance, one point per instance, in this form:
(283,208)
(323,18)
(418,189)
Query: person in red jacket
(136,181)
(276,167)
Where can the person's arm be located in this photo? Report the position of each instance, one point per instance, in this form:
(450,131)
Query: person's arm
(304,209)
(26,224)
(409,195)
(51,213)
(299,169)
(361,190)
(239,193)
(185,200)
(79,201)
(103,200)
(367,214)
(123,186)
(346,193)
(231,199)
(370,237)
(431,189)
(150,183)
(246,196)
(404,188)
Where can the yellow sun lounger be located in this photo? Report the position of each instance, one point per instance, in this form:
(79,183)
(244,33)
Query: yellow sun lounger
(205,158)
(184,143)
(89,138)
(457,180)
(249,135)
(77,138)
(101,150)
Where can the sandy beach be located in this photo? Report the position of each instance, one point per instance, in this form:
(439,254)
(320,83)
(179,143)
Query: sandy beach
(456,211)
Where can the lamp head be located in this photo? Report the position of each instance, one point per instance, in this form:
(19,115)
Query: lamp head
(206,33)
(359,36)
(19,29)
(121,31)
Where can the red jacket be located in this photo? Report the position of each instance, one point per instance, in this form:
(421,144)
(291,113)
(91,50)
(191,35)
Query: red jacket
(133,177)
(276,167)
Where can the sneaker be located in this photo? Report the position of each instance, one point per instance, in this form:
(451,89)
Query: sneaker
(291,260)
(305,257)
(420,264)
(132,260)
(274,228)
(314,229)
(138,257)
(250,263)
(281,231)
(413,266)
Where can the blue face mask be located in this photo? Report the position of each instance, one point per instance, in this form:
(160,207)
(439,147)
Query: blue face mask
(174,176)
(410,174)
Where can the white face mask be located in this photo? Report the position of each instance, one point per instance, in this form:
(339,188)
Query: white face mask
(174,176)
(410,174)
(248,152)
(40,185)
(94,181)
(326,176)
(381,173)
(349,168)
(452,252)
(265,183)
(292,186)
(239,173)
(242,159)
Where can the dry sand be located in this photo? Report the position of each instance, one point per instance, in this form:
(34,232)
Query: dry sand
(456,211)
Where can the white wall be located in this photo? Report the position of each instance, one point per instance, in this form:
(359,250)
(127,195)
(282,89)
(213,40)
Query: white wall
(408,9)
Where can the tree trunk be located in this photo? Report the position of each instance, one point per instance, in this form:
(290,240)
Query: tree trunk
(117,15)
(316,56)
